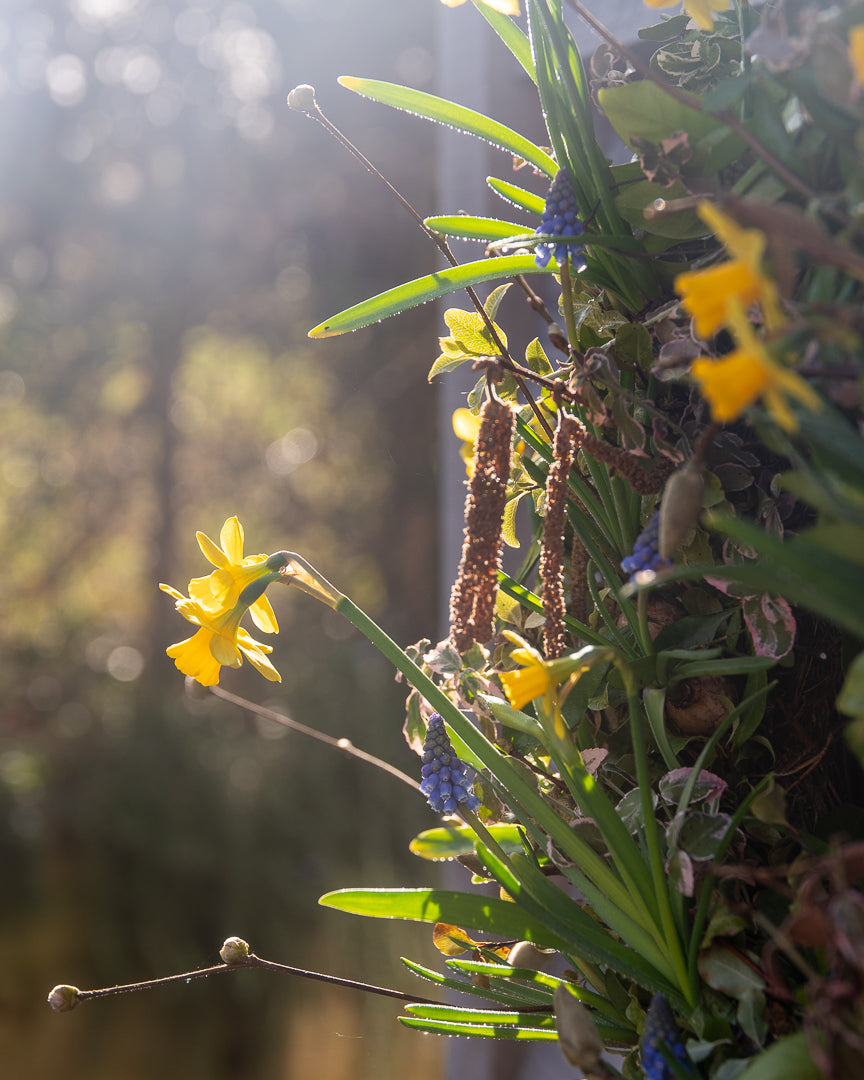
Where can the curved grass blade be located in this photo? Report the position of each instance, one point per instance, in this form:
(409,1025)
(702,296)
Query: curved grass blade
(541,980)
(480,1016)
(451,841)
(421,290)
(500,918)
(506,996)
(474,228)
(518,196)
(456,116)
(489,1031)
(510,34)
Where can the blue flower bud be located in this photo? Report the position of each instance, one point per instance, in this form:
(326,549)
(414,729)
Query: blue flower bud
(646,555)
(660,1028)
(560,218)
(447,782)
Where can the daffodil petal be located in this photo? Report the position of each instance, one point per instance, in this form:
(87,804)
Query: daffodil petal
(225,650)
(524,685)
(856,52)
(193,658)
(211,552)
(263,616)
(256,653)
(231,538)
(701,11)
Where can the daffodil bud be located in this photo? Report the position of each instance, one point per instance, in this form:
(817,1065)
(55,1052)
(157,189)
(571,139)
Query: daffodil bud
(63,998)
(525,954)
(235,951)
(577,1034)
(679,507)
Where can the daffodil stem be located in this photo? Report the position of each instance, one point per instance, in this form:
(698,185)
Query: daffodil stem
(567,304)
(644,632)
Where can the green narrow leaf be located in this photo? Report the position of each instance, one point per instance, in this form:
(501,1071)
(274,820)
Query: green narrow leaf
(490,1031)
(451,841)
(518,196)
(421,290)
(654,699)
(474,228)
(499,918)
(532,890)
(510,34)
(503,997)
(453,115)
(479,1016)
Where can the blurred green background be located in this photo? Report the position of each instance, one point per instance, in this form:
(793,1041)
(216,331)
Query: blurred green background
(169,231)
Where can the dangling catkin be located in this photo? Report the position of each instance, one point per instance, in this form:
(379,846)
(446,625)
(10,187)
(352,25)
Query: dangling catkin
(472,601)
(552,550)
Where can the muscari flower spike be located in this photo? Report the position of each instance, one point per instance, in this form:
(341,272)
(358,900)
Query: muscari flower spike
(447,781)
(660,1027)
(646,554)
(561,218)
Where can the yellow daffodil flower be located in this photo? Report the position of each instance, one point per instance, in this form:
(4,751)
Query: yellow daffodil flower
(856,52)
(706,294)
(539,678)
(220,640)
(532,680)
(700,11)
(221,590)
(731,384)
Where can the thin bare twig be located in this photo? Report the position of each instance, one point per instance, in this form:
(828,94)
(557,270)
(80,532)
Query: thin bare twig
(345,745)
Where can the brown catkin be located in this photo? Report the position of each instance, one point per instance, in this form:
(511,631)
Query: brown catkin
(552,549)
(628,465)
(579,580)
(472,601)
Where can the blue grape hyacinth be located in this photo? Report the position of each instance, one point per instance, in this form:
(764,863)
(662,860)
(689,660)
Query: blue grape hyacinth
(447,781)
(645,554)
(561,218)
(660,1027)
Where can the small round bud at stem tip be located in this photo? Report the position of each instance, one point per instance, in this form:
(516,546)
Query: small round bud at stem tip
(234,951)
(302,98)
(63,998)
(195,690)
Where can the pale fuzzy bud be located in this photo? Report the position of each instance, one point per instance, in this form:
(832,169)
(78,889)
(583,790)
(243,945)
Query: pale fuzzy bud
(235,951)
(63,998)
(525,954)
(195,690)
(679,507)
(577,1034)
(302,98)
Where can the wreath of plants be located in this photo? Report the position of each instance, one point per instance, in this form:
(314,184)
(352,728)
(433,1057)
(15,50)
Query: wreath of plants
(648,738)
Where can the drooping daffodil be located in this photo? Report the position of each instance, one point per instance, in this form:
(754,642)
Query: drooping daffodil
(221,589)
(706,294)
(735,381)
(220,640)
(537,679)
